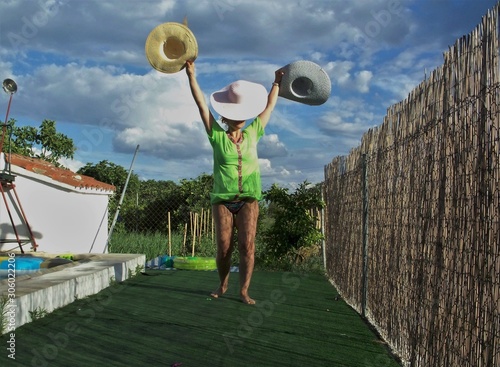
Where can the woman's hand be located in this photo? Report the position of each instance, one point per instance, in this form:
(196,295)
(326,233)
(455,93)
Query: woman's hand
(190,69)
(278,74)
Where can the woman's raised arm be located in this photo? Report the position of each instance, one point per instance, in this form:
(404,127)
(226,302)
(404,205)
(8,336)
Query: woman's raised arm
(199,98)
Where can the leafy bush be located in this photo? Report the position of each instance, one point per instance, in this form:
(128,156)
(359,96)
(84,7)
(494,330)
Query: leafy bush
(288,235)
(294,226)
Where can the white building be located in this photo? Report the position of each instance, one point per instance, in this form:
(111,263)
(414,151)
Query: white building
(66,212)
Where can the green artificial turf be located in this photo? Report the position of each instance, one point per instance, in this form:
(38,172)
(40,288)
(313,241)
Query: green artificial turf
(164,318)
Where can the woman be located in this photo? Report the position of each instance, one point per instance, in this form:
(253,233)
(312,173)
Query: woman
(237,185)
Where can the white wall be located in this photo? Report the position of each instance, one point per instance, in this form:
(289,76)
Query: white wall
(62,218)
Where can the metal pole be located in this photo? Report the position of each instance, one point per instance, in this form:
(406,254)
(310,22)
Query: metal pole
(104,217)
(9,86)
(121,201)
(19,242)
(4,127)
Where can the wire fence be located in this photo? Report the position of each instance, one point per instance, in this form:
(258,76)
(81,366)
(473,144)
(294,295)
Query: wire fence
(166,218)
(412,214)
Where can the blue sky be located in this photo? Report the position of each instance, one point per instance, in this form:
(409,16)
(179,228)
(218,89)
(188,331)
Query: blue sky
(82,63)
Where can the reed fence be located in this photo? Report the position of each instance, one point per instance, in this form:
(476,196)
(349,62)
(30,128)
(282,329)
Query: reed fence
(412,214)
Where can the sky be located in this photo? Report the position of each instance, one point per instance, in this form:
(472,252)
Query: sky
(82,64)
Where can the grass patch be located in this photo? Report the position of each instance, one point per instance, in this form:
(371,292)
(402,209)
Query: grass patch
(156,244)
(38,313)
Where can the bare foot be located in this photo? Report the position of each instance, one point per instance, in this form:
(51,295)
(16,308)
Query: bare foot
(218,293)
(246,299)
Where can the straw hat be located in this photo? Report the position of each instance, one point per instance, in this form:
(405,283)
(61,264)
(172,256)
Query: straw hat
(305,82)
(169,46)
(240,100)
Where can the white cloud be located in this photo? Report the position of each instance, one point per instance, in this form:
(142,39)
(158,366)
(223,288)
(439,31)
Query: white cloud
(362,81)
(270,146)
(82,64)
(339,71)
(342,74)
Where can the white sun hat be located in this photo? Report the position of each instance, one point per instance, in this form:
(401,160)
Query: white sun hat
(169,46)
(240,100)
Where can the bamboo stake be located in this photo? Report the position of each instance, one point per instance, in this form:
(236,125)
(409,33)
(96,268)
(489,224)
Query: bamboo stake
(202,222)
(194,233)
(207,222)
(200,230)
(185,235)
(212,225)
(169,237)
(200,226)
(191,221)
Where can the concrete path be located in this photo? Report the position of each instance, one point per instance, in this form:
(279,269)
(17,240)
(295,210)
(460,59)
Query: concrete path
(50,289)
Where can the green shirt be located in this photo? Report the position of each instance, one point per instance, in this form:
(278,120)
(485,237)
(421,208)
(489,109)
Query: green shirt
(236,166)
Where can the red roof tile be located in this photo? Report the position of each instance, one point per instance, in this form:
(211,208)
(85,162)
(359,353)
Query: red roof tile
(62,175)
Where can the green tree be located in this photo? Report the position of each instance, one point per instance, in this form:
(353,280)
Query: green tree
(43,142)
(196,192)
(194,195)
(293,225)
(155,199)
(111,173)
(116,175)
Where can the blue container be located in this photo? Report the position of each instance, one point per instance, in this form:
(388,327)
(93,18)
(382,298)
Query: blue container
(22,263)
(167,261)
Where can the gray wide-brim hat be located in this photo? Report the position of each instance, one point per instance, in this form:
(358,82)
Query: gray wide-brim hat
(305,82)
(169,46)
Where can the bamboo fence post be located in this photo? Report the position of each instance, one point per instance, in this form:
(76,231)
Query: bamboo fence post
(169,237)
(212,225)
(191,221)
(200,226)
(185,235)
(200,223)
(200,231)
(203,221)
(195,220)
(207,222)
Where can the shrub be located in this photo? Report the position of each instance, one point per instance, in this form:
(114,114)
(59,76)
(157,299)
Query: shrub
(294,226)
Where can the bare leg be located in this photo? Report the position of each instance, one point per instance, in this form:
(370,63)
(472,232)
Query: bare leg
(246,222)
(224,223)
